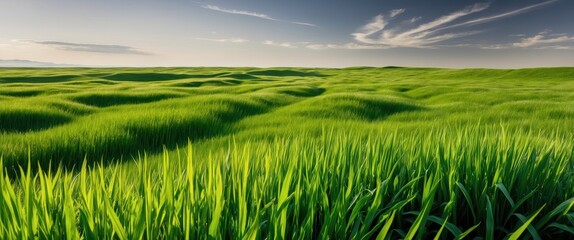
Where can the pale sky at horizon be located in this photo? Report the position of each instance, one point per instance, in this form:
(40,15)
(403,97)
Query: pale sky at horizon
(445,33)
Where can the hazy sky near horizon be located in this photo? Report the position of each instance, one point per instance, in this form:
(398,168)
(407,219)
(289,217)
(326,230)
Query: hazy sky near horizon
(319,33)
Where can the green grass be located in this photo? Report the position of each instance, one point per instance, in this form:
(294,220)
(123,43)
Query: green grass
(286,153)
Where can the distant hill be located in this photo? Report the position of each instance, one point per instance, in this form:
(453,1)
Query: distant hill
(27,63)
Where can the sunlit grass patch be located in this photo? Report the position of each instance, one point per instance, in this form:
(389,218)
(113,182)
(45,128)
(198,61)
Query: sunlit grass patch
(341,185)
(286,153)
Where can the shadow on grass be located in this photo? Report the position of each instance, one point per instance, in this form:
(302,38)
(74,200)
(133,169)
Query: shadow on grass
(241,76)
(111,138)
(37,79)
(112,99)
(229,82)
(285,73)
(25,120)
(144,77)
(354,106)
(302,91)
(22,93)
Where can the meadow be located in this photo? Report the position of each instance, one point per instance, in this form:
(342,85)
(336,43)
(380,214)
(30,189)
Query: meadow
(286,153)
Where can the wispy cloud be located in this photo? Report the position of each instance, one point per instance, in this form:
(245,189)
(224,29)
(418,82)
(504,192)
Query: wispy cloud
(304,24)
(374,32)
(348,46)
(239,12)
(283,44)
(225,40)
(542,40)
(558,47)
(422,30)
(414,20)
(396,12)
(95,48)
(499,16)
(429,34)
(253,14)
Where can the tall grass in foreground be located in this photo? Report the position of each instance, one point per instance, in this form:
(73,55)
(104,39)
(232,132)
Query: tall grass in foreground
(442,184)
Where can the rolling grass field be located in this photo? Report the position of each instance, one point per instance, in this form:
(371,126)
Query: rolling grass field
(286,153)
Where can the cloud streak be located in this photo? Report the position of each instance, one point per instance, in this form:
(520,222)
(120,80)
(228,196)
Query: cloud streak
(414,20)
(253,14)
(277,44)
(422,30)
(396,12)
(499,16)
(224,40)
(304,24)
(539,41)
(239,12)
(93,48)
(348,46)
(429,34)
(374,32)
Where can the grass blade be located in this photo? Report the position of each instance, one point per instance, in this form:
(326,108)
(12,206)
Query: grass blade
(489,220)
(516,234)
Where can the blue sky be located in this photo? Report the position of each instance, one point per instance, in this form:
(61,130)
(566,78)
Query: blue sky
(318,33)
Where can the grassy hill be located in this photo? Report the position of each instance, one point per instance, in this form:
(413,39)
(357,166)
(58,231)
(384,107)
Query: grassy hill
(287,153)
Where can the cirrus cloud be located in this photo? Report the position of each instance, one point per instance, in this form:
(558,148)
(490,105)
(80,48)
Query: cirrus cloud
(253,14)
(225,40)
(542,40)
(427,35)
(87,47)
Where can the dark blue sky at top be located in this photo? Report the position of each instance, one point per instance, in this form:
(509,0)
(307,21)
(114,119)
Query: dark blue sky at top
(343,16)
(329,33)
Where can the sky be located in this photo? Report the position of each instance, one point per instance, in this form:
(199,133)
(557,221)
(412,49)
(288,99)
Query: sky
(298,33)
